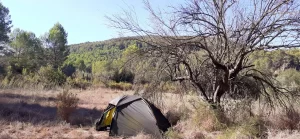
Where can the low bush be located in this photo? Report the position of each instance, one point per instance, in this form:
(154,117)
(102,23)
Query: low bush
(177,113)
(66,104)
(120,85)
(173,116)
(46,77)
(123,76)
(51,77)
(251,128)
(207,118)
(287,119)
(238,111)
(78,83)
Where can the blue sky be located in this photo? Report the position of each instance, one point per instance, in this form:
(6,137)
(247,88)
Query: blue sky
(83,19)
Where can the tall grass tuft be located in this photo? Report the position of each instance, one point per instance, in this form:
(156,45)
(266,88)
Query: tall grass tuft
(287,119)
(66,104)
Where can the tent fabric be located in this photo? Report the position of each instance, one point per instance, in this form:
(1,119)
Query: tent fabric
(100,126)
(122,100)
(116,100)
(133,119)
(128,99)
(130,115)
(108,117)
(162,122)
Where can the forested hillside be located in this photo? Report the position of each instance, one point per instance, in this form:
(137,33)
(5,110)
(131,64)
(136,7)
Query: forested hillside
(105,62)
(283,64)
(91,52)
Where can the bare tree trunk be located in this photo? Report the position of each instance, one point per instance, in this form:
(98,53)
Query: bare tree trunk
(218,36)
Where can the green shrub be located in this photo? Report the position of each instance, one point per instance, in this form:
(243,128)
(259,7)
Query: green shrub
(12,81)
(45,77)
(5,82)
(120,85)
(66,104)
(50,76)
(78,83)
(251,128)
(123,76)
(289,78)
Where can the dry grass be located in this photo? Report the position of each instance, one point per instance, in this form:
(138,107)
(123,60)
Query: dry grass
(66,104)
(283,134)
(48,130)
(120,85)
(33,114)
(30,114)
(239,122)
(142,136)
(288,118)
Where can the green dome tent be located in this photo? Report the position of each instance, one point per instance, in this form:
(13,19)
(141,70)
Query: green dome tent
(130,115)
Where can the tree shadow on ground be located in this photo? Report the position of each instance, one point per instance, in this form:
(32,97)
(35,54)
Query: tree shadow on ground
(21,111)
(26,98)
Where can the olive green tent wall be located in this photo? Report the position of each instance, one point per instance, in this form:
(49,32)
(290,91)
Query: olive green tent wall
(133,115)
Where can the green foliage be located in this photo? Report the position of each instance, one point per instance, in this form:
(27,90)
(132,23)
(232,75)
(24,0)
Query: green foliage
(3,65)
(56,43)
(251,128)
(115,69)
(28,64)
(120,85)
(6,82)
(45,77)
(9,79)
(58,35)
(81,66)
(110,50)
(92,56)
(91,52)
(5,24)
(289,78)
(129,51)
(106,71)
(79,80)
(102,70)
(294,52)
(274,61)
(78,83)
(68,70)
(123,76)
(117,44)
(50,76)
(28,51)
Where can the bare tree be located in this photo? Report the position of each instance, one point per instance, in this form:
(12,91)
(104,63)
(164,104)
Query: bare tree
(208,43)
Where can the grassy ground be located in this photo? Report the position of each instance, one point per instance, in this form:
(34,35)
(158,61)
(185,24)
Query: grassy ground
(29,114)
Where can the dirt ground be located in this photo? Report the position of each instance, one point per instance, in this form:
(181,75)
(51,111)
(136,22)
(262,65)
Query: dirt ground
(29,114)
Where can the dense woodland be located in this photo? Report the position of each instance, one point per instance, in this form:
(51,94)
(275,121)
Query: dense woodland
(107,63)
